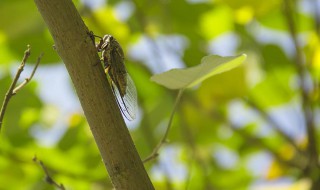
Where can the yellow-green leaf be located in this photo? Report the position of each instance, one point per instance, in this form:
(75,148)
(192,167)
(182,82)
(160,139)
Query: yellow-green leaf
(185,78)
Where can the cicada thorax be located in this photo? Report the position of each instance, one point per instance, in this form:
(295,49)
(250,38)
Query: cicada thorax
(113,59)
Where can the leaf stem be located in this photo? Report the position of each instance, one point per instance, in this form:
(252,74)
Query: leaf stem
(155,151)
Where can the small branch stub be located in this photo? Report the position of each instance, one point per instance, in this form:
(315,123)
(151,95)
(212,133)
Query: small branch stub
(48,177)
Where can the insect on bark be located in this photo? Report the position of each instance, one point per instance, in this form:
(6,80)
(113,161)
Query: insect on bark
(122,85)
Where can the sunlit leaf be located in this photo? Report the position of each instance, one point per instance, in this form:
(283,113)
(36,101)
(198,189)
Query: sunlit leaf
(221,17)
(244,15)
(260,8)
(75,120)
(275,171)
(316,59)
(287,152)
(186,78)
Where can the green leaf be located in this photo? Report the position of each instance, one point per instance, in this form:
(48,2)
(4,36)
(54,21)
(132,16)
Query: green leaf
(186,78)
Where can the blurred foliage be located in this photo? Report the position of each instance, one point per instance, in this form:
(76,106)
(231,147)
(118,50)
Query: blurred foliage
(239,130)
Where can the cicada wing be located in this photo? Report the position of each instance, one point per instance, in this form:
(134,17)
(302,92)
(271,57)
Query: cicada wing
(128,103)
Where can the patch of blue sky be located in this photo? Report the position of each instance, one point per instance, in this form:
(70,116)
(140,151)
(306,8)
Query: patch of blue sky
(160,54)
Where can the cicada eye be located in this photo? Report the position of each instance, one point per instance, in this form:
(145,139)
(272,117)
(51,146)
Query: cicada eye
(107,38)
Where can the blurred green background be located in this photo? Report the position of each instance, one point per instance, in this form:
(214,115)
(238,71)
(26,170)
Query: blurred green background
(243,129)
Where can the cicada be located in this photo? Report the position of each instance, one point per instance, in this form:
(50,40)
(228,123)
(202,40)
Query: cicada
(122,85)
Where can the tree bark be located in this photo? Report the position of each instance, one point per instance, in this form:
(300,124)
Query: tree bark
(76,49)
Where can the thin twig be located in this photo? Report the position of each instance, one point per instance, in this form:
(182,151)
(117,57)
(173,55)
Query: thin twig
(155,151)
(27,80)
(48,178)
(12,90)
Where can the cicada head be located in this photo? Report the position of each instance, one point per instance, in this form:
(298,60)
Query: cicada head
(106,40)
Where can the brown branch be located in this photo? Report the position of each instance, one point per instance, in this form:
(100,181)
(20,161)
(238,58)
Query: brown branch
(75,48)
(303,74)
(13,89)
(163,140)
(48,178)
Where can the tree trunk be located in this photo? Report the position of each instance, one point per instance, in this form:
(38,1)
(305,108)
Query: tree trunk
(76,49)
